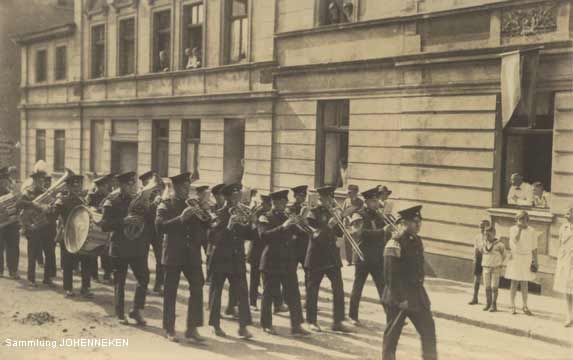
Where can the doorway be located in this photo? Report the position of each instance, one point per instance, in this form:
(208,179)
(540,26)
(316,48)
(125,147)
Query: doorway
(233,150)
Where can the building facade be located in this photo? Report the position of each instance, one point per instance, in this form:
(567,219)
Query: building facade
(417,95)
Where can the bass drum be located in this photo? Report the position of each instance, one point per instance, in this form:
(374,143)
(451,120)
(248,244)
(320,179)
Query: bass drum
(82,234)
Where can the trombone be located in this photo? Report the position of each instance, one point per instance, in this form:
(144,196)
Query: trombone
(335,211)
(388,218)
(300,220)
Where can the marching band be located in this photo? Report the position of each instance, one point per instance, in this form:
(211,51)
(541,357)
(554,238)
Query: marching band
(177,220)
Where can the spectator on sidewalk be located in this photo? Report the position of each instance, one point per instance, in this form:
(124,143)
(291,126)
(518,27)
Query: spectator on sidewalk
(478,270)
(520,193)
(564,270)
(523,258)
(541,198)
(493,254)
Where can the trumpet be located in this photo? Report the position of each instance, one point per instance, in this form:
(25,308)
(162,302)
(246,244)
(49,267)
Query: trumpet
(335,211)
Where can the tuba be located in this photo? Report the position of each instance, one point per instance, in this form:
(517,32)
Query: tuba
(8,210)
(134,223)
(33,218)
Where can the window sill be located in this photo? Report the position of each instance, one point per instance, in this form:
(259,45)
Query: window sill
(537,215)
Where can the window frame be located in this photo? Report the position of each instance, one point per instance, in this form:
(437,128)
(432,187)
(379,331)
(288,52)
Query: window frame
(228,20)
(186,141)
(65,63)
(321,133)
(45,66)
(153,39)
(120,47)
(318,16)
(57,168)
(41,150)
(156,140)
(183,29)
(92,52)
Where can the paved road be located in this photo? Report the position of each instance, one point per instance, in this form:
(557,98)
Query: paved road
(93,319)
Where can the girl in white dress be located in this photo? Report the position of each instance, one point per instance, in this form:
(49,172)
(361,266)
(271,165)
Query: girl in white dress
(523,245)
(564,269)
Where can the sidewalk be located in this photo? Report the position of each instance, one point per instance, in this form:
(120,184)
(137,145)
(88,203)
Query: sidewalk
(449,301)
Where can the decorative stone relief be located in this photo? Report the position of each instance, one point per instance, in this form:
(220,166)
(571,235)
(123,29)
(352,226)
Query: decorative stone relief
(531,20)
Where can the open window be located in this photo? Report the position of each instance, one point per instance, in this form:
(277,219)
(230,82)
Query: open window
(528,146)
(237,31)
(331,12)
(332,143)
(192,35)
(162,40)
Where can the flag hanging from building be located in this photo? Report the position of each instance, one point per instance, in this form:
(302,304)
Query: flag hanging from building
(518,82)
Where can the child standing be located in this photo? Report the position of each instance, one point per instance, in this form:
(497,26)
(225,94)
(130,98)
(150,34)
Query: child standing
(493,255)
(478,245)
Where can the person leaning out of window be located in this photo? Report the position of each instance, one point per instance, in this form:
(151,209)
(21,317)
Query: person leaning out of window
(520,192)
(522,264)
(563,282)
(193,58)
(541,198)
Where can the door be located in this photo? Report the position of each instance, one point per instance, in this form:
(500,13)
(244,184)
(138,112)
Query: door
(233,150)
(123,157)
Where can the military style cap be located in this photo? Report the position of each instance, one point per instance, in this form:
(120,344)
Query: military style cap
(75,180)
(102,179)
(265,198)
(125,177)
(38,174)
(279,195)
(384,190)
(231,189)
(326,190)
(146,175)
(201,188)
(410,213)
(216,190)
(371,193)
(353,188)
(178,179)
(300,189)
(4,173)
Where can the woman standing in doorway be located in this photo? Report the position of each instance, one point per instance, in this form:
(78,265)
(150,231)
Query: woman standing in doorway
(523,260)
(564,270)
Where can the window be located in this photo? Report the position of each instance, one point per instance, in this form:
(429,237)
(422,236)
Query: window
(124,146)
(127,46)
(332,145)
(192,36)
(41,65)
(190,139)
(161,40)
(98,52)
(59,150)
(160,158)
(61,63)
(96,146)
(335,11)
(40,145)
(528,146)
(237,31)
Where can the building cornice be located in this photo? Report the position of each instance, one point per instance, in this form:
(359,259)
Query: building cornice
(47,34)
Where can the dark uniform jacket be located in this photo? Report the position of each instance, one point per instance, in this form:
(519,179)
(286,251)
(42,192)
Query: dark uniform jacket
(322,251)
(257,244)
(300,237)
(115,209)
(372,239)
(181,244)
(228,250)
(404,272)
(25,202)
(279,254)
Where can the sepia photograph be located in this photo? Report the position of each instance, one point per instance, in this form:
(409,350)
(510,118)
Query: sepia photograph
(286,179)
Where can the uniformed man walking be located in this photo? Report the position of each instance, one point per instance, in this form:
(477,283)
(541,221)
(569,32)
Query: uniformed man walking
(62,208)
(181,254)
(9,234)
(323,259)
(404,294)
(367,227)
(278,264)
(228,261)
(125,252)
